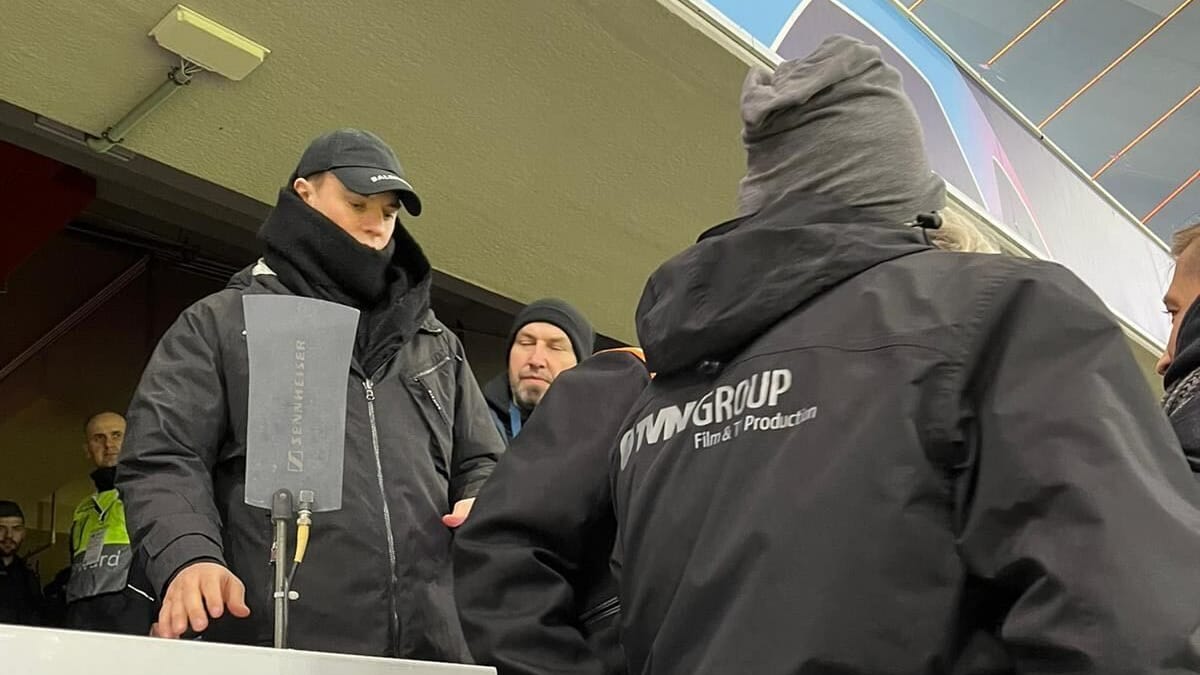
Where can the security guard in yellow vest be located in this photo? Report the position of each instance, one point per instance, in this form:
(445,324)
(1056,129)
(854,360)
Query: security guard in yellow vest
(102,591)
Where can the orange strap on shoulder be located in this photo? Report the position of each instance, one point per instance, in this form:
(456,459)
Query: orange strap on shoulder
(636,351)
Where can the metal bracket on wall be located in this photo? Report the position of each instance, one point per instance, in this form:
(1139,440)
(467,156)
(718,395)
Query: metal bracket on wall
(179,77)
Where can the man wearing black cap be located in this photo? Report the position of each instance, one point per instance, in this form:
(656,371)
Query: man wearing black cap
(419,439)
(547,337)
(20,590)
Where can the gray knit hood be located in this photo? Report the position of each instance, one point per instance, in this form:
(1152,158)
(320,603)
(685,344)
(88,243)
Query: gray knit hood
(836,123)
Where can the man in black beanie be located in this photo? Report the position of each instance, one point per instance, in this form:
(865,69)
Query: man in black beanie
(547,337)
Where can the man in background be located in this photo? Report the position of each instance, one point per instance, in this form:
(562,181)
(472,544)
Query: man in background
(20,588)
(100,593)
(548,337)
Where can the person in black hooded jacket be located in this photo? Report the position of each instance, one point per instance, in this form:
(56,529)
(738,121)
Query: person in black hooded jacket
(1180,363)
(419,438)
(864,455)
(532,579)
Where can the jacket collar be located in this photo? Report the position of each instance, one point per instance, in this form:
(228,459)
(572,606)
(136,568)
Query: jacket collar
(743,276)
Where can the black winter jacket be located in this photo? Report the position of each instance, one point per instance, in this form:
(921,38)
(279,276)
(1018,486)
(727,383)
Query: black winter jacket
(377,578)
(20,593)
(533,583)
(864,456)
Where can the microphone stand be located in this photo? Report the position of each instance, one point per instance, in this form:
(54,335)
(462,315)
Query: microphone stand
(281,515)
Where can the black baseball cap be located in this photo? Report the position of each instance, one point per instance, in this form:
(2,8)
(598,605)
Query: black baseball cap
(362,161)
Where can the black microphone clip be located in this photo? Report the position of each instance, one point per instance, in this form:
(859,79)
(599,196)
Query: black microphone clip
(928,221)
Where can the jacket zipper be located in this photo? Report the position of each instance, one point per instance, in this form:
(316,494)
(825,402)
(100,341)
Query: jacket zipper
(369,388)
(434,367)
(601,611)
(433,397)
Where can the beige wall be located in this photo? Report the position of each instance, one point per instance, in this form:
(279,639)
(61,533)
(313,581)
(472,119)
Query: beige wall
(561,148)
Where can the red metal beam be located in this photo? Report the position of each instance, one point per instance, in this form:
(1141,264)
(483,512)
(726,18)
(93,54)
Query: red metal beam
(1178,191)
(48,195)
(1021,36)
(1149,130)
(1116,62)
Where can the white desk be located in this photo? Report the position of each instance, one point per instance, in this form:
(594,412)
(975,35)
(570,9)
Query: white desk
(42,651)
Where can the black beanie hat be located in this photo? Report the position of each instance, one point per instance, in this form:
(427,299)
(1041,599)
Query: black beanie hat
(557,313)
(11,510)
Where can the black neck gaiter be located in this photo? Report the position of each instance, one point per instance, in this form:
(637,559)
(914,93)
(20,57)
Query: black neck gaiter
(314,257)
(104,478)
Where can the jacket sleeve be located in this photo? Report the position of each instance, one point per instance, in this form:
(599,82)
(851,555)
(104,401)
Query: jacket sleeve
(1084,519)
(176,422)
(477,442)
(545,516)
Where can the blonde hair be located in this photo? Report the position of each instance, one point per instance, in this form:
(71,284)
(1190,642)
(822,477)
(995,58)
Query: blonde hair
(1185,254)
(959,234)
(1184,238)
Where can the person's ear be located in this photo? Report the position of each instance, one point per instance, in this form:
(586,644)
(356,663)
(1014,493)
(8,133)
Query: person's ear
(305,189)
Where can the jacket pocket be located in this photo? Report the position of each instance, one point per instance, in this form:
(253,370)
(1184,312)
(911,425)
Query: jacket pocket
(433,391)
(433,380)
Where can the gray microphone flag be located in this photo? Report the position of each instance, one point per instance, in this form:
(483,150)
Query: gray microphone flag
(299,351)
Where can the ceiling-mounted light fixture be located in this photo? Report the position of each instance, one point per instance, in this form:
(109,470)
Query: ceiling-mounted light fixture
(202,44)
